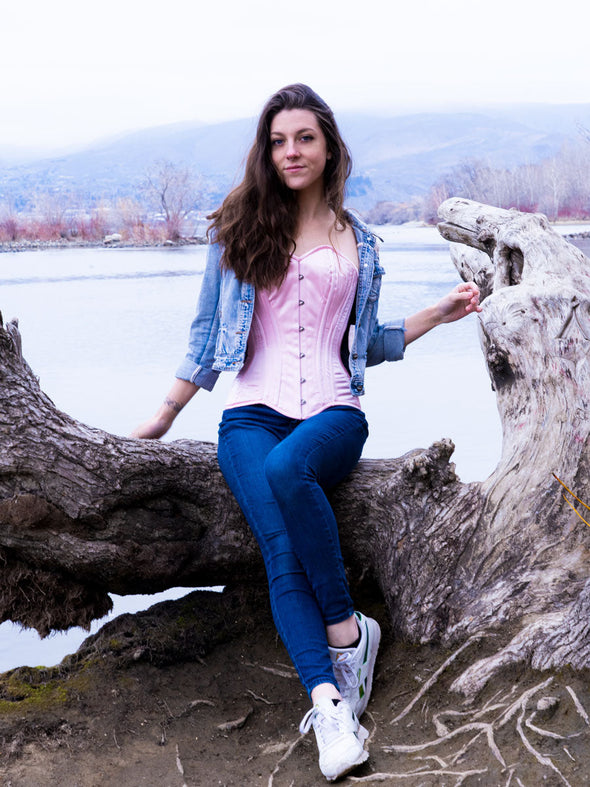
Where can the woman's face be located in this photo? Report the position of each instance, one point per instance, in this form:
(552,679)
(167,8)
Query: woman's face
(298,149)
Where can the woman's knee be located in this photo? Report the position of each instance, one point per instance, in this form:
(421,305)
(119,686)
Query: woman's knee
(284,471)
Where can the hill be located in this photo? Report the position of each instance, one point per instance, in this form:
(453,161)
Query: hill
(396,158)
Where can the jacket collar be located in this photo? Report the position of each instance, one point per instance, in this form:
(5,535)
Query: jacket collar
(361,229)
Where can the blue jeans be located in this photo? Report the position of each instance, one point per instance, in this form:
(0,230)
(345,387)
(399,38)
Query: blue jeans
(278,468)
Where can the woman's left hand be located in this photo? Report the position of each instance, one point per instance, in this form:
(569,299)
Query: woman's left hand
(461,301)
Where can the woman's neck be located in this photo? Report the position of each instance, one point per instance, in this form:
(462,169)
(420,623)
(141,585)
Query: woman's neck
(312,206)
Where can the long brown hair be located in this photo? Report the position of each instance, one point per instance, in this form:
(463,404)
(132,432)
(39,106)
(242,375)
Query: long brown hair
(257,222)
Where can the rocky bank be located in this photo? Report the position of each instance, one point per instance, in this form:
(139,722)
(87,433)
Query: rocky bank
(200,691)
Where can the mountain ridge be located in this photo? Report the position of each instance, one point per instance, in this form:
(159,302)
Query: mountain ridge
(396,157)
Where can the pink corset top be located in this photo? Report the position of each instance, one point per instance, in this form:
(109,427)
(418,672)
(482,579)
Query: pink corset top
(293,362)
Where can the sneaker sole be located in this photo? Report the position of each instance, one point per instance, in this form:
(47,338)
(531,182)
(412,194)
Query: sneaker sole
(363,758)
(374,641)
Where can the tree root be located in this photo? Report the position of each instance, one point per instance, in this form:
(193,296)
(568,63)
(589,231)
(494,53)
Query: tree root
(490,723)
(180,766)
(291,748)
(381,777)
(431,681)
(287,672)
(578,705)
(547,761)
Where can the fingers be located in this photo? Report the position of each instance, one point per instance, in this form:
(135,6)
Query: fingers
(468,287)
(461,301)
(469,291)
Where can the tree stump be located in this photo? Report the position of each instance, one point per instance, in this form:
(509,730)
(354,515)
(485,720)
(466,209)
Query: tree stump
(84,513)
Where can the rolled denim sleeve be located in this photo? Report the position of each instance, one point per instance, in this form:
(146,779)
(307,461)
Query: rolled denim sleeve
(198,361)
(197,374)
(387,343)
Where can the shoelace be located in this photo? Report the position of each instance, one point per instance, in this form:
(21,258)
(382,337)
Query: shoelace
(330,721)
(307,720)
(321,718)
(344,671)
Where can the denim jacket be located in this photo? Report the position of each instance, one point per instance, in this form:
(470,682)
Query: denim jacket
(219,332)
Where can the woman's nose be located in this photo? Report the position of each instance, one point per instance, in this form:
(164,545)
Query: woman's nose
(292,151)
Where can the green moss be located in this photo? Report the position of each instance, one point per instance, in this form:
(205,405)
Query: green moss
(31,687)
(189,615)
(41,689)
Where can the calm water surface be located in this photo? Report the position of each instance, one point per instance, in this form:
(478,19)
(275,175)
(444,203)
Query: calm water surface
(104,329)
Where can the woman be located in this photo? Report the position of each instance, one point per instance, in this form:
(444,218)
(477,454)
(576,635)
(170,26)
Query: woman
(289,300)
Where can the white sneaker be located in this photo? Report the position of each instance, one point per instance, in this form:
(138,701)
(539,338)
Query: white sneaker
(339,735)
(353,667)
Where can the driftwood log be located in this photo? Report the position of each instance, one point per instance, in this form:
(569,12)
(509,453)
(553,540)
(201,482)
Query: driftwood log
(84,513)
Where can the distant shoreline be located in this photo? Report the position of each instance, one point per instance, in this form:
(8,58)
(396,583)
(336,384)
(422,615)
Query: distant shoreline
(63,243)
(42,245)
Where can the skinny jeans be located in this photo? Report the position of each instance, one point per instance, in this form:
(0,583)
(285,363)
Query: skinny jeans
(279,469)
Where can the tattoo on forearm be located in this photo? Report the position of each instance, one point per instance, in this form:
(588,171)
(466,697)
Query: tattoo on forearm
(176,406)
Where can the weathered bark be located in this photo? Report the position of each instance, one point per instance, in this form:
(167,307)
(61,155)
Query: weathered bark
(83,512)
(529,560)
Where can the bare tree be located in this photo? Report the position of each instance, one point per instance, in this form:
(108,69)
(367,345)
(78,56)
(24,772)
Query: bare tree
(173,189)
(584,131)
(557,186)
(49,214)
(9,222)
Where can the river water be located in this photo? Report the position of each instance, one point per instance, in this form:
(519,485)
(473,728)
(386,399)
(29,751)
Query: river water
(104,329)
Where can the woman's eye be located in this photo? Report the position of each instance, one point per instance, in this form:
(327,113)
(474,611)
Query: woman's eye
(306,138)
(276,142)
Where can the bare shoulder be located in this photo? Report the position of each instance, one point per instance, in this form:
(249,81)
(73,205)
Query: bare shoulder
(344,241)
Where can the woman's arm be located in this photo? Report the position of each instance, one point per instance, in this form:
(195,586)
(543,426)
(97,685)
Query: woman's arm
(461,301)
(202,340)
(197,364)
(180,394)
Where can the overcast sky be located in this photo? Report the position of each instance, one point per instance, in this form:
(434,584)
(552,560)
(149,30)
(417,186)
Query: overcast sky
(73,72)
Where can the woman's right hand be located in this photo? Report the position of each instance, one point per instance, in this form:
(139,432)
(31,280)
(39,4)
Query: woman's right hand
(180,394)
(152,429)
